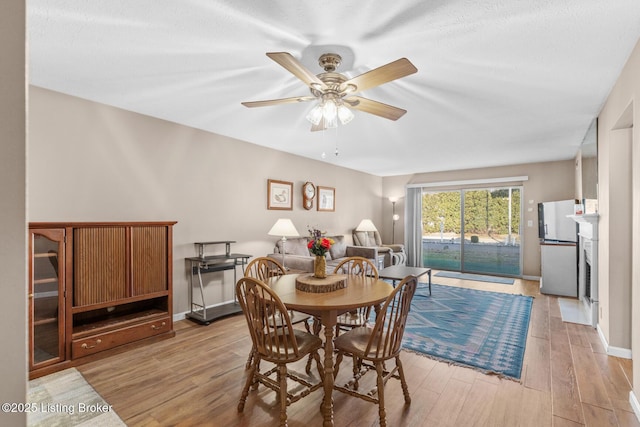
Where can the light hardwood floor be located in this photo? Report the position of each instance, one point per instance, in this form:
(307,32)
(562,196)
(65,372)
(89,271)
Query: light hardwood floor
(195,379)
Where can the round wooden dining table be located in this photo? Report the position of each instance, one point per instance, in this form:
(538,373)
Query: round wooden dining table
(359,292)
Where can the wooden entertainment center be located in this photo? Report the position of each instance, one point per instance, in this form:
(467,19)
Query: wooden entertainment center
(95,286)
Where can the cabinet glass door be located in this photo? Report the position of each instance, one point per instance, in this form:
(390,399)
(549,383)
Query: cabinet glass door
(46,297)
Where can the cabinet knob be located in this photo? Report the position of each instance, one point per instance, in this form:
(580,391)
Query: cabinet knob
(85,345)
(156,327)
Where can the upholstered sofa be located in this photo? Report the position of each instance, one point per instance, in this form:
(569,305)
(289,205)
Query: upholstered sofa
(298,257)
(393,254)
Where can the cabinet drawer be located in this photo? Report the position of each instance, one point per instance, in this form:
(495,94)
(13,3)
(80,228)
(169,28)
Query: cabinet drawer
(100,342)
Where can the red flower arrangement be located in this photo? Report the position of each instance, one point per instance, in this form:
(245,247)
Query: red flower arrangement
(319,245)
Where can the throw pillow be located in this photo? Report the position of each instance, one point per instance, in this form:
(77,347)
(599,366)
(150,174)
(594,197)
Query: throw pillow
(339,248)
(294,246)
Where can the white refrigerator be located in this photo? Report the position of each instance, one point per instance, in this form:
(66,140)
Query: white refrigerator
(553,223)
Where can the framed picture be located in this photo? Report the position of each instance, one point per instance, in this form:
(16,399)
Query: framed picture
(326,199)
(279,195)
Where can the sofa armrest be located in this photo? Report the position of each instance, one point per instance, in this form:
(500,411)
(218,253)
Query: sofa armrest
(369,252)
(294,262)
(395,247)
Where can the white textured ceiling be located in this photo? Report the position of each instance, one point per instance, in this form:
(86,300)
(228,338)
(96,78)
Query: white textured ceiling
(498,82)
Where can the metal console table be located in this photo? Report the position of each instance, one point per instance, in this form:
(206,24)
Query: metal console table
(210,263)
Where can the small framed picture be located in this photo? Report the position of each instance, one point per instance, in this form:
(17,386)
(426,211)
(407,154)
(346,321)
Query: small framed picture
(326,199)
(279,195)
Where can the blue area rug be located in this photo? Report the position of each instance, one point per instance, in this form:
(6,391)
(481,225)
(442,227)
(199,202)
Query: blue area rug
(484,330)
(476,277)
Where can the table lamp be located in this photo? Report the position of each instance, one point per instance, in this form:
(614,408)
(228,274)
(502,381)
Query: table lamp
(283,228)
(366,225)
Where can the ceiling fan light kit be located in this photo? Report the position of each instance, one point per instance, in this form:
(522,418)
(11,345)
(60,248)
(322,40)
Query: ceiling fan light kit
(334,91)
(344,114)
(331,111)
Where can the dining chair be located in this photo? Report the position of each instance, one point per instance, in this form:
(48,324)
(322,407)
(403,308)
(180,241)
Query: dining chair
(372,347)
(263,268)
(280,345)
(358,266)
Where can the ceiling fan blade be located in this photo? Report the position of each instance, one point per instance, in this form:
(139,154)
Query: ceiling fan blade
(374,107)
(294,66)
(384,74)
(270,102)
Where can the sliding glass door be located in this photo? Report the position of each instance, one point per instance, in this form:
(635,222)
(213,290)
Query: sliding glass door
(442,235)
(473,230)
(492,231)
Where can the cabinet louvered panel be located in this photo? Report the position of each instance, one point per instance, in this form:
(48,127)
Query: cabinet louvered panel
(149,259)
(100,265)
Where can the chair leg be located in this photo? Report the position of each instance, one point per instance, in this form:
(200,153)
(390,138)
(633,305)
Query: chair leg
(356,372)
(403,382)
(250,378)
(319,366)
(307,368)
(256,360)
(316,327)
(380,385)
(250,358)
(336,366)
(282,380)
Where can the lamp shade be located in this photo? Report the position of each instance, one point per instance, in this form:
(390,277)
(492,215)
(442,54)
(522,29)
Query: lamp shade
(283,228)
(366,225)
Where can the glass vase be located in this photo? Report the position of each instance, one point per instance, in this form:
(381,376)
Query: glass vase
(320,267)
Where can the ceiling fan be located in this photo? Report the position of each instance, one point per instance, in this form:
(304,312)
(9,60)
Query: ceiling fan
(335,92)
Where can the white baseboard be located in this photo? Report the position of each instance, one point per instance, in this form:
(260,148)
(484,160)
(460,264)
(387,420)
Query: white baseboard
(624,353)
(179,316)
(635,405)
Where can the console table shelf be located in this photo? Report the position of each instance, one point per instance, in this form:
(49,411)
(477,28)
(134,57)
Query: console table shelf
(211,263)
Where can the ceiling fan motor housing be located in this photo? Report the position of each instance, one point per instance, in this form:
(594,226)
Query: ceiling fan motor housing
(330,61)
(333,82)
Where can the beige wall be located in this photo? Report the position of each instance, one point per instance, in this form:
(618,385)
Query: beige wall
(13,249)
(91,162)
(621,111)
(614,274)
(547,182)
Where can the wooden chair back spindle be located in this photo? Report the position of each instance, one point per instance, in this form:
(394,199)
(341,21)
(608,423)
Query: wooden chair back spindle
(358,266)
(263,268)
(391,321)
